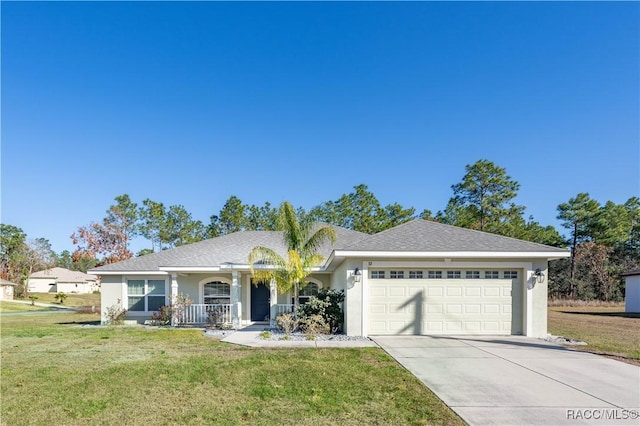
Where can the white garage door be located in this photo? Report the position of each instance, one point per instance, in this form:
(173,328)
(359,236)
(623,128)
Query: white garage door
(440,306)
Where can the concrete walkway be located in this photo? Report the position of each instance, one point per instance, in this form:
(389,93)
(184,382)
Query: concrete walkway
(513,380)
(248,336)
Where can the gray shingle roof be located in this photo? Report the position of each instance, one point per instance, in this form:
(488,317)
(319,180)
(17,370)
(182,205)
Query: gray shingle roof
(426,236)
(631,273)
(415,236)
(230,248)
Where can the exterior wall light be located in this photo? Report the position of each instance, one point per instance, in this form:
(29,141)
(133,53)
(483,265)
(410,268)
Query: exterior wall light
(538,276)
(357,275)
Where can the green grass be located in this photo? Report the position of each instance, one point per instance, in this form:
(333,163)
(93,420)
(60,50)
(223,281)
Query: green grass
(607,330)
(136,375)
(71,300)
(8,306)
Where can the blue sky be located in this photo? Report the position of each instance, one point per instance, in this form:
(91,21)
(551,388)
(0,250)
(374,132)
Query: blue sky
(190,103)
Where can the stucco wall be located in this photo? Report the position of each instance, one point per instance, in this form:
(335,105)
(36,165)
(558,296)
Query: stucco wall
(41,285)
(111,294)
(539,326)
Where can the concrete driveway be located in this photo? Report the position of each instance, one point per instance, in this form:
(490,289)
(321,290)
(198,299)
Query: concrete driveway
(514,380)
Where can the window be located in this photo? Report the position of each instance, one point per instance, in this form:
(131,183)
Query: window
(491,275)
(415,274)
(454,275)
(510,274)
(434,275)
(396,274)
(472,275)
(311,289)
(217,293)
(377,274)
(145,295)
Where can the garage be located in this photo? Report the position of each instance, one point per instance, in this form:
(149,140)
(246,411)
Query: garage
(451,302)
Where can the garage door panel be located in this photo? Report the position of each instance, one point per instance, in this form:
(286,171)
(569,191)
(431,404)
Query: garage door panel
(434,308)
(473,291)
(454,291)
(442,307)
(434,291)
(397,291)
(378,291)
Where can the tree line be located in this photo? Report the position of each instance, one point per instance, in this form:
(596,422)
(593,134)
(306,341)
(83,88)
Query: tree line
(604,239)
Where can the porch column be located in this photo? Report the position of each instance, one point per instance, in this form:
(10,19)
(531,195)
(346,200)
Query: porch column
(273,302)
(174,296)
(235,299)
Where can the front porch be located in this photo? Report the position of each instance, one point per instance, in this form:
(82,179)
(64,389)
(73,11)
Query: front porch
(228,299)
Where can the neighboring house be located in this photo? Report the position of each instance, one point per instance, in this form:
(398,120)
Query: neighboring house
(420,277)
(6,289)
(56,280)
(632,291)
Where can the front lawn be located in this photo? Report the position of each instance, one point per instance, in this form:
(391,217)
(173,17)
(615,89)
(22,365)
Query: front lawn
(607,330)
(73,299)
(9,306)
(55,371)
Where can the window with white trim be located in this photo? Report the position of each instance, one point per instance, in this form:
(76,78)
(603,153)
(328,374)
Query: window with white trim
(491,275)
(311,289)
(145,295)
(434,275)
(415,274)
(216,293)
(396,274)
(454,275)
(510,274)
(377,274)
(472,275)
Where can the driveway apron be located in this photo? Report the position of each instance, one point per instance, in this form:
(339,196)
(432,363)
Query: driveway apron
(514,380)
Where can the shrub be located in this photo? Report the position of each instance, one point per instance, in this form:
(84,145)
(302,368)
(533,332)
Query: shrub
(33,300)
(162,317)
(313,325)
(178,307)
(115,314)
(328,305)
(287,323)
(215,318)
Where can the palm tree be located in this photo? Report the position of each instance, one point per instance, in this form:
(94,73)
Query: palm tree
(303,238)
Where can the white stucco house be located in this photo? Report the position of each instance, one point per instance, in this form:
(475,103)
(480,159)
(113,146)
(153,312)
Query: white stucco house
(420,277)
(56,280)
(632,291)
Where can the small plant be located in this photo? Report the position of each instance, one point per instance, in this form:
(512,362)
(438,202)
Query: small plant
(162,317)
(313,325)
(178,308)
(115,314)
(311,337)
(287,323)
(60,297)
(33,300)
(265,334)
(285,338)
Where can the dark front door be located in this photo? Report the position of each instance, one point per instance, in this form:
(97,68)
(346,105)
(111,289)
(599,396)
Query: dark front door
(259,302)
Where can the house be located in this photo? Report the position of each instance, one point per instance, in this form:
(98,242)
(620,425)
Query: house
(6,289)
(632,291)
(56,280)
(420,277)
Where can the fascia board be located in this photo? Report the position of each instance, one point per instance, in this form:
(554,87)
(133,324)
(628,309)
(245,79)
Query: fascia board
(453,254)
(94,272)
